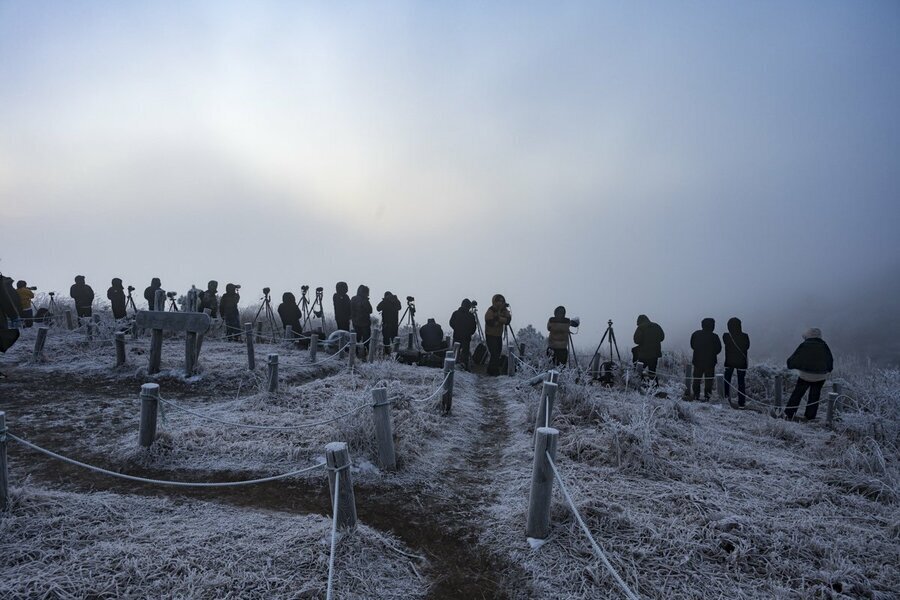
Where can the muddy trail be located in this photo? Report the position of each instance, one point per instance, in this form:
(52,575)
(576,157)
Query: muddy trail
(441,521)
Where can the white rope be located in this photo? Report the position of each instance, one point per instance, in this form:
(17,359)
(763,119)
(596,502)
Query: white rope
(523,363)
(160,481)
(333,356)
(599,551)
(263,427)
(438,390)
(334,516)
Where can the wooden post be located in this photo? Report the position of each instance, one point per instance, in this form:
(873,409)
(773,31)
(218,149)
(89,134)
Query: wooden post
(88,330)
(251,355)
(149,408)
(396,345)
(39,342)
(200,337)
(373,346)
(553,376)
(159,300)
(384,431)
(337,460)
(120,348)
(640,373)
(522,350)
(838,389)
(409,340)
(720,387)
(447,395)
(190,352)
(288,334)
(829,416)
(134,330)
(510,360)
(538,524)
(779,390)
(4,474)
(313,346)
(156,340)
(545,408)
(70,322)
(272,370)
(352,356)
(259,335)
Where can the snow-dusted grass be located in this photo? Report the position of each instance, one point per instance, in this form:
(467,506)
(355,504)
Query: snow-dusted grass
(102,545)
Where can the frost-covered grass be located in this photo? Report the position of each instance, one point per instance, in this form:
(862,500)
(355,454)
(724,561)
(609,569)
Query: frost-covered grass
(102,545)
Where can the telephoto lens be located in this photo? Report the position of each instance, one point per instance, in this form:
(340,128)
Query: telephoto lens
(33,288)
(575,321)
(130,288)
(171,294)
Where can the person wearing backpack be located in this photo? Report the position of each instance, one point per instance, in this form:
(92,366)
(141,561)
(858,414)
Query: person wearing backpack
(464,326)
(737,347)
(706,346)
(813,361)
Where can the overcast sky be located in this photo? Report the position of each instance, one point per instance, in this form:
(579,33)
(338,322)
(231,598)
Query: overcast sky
(681,159)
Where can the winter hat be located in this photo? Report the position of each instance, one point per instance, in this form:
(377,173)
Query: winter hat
(560,312)
(466,304)
(812,333)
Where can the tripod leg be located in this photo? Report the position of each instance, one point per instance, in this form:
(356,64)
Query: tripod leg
(613,344)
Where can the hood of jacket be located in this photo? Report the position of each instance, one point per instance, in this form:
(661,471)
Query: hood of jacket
(288,298)
(229,288)
(212,286)
(362,291)
(734,326)
(341,287)
(708,324)
(560,312)
(117,283)
(155,282)
(643,320)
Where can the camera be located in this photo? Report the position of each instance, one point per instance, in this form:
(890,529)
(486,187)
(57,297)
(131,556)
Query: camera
(474,303)
(237,286)
(171,295)
(410,299)
(304,288)
(266,291)
(575,321)
(130,288)
(506,305)
(319,290)
(32,288)
(51,294)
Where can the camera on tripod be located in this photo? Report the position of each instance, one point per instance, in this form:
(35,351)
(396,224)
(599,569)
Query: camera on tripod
(51,294)
(33,288)
(319,290)
(130,288)
(237,286)
(265,290)
(304,289)
(575,322)
(171,295)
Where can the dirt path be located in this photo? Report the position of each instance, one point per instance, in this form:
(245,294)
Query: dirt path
(444,522)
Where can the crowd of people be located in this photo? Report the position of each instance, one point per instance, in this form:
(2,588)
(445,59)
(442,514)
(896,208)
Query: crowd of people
(812,359)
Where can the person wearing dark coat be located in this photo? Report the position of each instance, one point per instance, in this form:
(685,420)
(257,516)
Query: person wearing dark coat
(432,337)
(558,338)
(737,348)
(464,326)
(814,362)
(361,316)
(150,294)
(648,338)
(706,346)
(228,308)
(210,299)
(496,318)
(290,314)
(341,306)
(116,296)
(389,307)
(9,311)
(83,296)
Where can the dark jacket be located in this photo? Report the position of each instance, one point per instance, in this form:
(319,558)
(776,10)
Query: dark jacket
(389,307)
(228,304)
(150,293)
(432,336)
(463,323)
(9,307)
(209,299)
(706,344)
(648,339)
(812,356)
(558,326)
(341,306)
(289,312)
(495,319)
(81,293)
(116,296)
(361,308)
(737,345)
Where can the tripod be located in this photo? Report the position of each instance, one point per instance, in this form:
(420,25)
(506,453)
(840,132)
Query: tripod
(269,316)
(304,305)
(572,356)
(311,310)
(410,312)
(52,308)
(172,306)
(129,303)
(609,336)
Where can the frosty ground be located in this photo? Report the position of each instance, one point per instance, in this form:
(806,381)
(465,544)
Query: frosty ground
(687,500)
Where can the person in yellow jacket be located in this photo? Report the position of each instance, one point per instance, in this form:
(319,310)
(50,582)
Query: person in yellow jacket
(26,295)
(496,318)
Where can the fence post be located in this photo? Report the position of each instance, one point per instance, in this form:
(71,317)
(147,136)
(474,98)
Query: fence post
(70,324)
(248,337)
(396,344)
(120,348)
(522,350)
(4,474)
(829,416)
(337,460)
(272,367)
(553,376)
(156,340)
(688,375)
(39,343)
(837,388)
(288,334)
(510,360)
(779,390)
(720,387)
(190,352)
(159,300)
(545,407)
(639,366)
(384,431)
(149,408)
(259,335)
(538,524)
(313,346)
(409,341)
(352,356)
(373,345)
(88,330)
(447,395)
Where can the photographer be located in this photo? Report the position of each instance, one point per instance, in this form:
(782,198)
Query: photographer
(464,326)
(496,318)
(116,296)
(361,316)
(9,311)
(432,336)
(26,295)
(648,338)
(290,314)
(83,296)
(389,307)
(150,294)
(341,306)
(558,338)
(228,308)
(210,299)
(706,346)
(813,361)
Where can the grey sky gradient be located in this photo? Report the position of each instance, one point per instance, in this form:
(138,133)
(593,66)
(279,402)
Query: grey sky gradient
(676,159)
